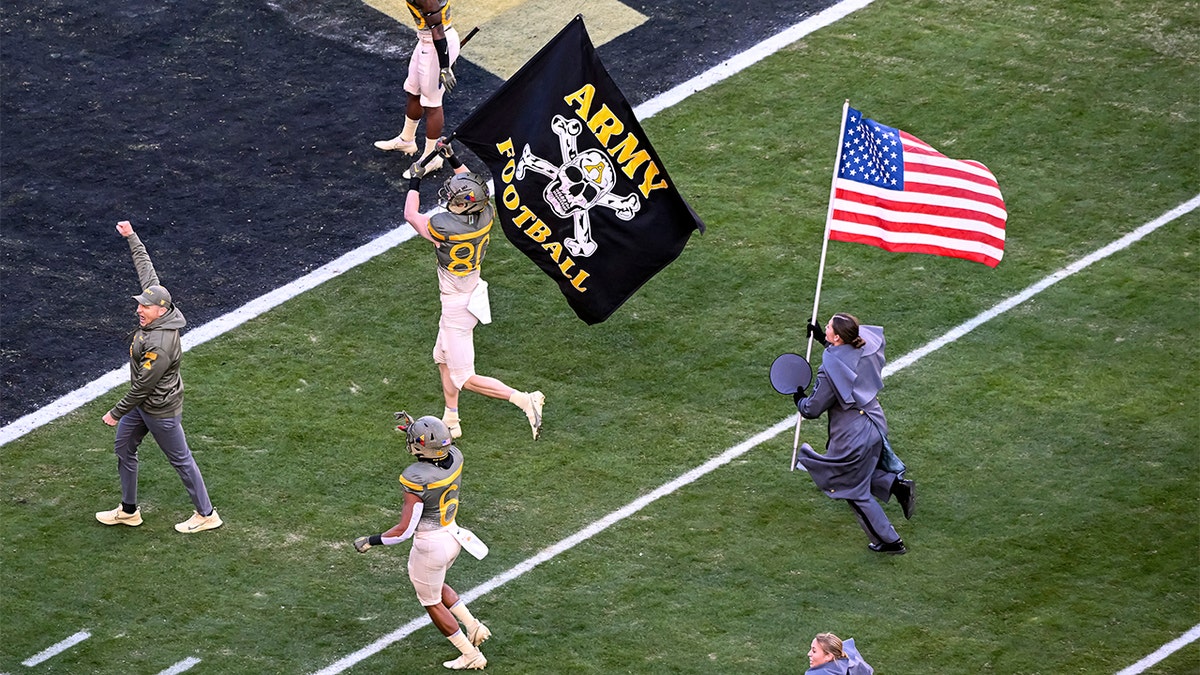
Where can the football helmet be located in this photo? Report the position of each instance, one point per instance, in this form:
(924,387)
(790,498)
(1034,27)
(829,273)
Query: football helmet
(464,193)
(428,437)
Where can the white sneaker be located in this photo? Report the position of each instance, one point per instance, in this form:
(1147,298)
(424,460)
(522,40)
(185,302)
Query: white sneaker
(398,143)
(199,523)
(534,414)
(118,517)
(433,165)
(478,634)
(475,661)
(455,427)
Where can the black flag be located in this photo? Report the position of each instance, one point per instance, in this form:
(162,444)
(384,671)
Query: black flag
(579,189)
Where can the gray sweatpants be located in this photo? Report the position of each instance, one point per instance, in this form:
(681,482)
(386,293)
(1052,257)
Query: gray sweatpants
(870,514)
(168,433)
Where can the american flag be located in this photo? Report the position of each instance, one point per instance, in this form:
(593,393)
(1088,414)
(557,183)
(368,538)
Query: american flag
(894,191)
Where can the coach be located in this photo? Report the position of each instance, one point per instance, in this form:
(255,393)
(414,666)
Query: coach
(154,403)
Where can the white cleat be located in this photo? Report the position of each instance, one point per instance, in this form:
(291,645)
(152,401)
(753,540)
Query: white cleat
(397,143)
(534,414)
(475,661)
(478,634)
(455,427)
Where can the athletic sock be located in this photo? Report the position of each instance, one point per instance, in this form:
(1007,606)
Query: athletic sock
(128,508)
(460,612)
(459,639)
(409,133)
(519,399)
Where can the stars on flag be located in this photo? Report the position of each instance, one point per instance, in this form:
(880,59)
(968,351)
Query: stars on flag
(872,154)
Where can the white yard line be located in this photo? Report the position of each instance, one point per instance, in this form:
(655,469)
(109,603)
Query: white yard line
(56,649)
(746,446)
(1163,652)
(751,56)
(181,667)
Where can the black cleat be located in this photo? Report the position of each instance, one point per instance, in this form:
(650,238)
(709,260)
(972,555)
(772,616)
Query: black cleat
(906,493)
(894,548)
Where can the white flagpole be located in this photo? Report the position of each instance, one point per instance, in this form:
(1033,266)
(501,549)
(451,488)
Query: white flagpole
(837,165)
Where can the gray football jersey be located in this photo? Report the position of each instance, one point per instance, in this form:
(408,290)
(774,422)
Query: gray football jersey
(438,489)
(462,239)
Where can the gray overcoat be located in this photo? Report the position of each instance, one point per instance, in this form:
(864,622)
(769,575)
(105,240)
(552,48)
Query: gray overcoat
(848,383)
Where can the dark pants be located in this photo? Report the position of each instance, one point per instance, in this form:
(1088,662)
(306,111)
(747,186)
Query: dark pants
(168,433)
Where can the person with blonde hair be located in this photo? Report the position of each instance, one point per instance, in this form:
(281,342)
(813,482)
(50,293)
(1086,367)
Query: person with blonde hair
(828,655)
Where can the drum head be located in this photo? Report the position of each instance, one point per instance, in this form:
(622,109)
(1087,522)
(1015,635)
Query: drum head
(790,373)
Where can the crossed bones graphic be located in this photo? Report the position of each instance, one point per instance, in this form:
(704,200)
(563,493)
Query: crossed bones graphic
(583,180)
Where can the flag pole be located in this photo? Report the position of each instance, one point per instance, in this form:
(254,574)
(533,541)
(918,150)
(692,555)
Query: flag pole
(837,165)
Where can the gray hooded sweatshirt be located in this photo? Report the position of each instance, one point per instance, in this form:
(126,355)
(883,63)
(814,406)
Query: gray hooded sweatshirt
(154,353)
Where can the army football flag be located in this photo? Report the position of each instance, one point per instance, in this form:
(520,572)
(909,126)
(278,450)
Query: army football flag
(579,189)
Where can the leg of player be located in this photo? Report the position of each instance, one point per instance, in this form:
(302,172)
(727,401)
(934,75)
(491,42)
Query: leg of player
(471,657)
(435,122)
(406,142)
(531,403)
(450,394)
(477,632)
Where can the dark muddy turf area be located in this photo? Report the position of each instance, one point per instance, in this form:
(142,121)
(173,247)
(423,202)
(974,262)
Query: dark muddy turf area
(236,136)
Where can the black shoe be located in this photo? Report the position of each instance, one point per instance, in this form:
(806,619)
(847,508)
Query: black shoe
(894,548)
(906,493)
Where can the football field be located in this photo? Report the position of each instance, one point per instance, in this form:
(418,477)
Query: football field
(1047,408)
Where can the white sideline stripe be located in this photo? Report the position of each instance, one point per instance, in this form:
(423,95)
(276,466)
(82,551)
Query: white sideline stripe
(182,666)
(105,383)
(1163,652)
(740,62)
(733,453)
(56,649)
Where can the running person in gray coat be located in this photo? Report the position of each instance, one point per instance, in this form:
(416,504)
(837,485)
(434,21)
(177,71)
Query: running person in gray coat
(848,384)
(154,403)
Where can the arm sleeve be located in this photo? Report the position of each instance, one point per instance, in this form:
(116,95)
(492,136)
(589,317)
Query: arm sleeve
(147,277)
(392,537)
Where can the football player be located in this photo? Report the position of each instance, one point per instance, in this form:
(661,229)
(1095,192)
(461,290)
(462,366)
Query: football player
(460,237)
(431,487)
(430,75)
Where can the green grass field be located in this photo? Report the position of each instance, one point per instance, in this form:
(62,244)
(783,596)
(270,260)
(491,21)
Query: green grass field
(1055,447)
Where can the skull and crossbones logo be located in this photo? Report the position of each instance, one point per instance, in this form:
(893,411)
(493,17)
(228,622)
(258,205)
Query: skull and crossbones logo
(583,180)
